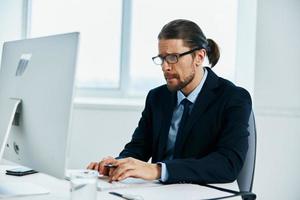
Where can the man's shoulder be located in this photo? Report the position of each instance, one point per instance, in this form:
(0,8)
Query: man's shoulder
(159,93)
(161,88)
(223,83)
(231,87)
(233,91)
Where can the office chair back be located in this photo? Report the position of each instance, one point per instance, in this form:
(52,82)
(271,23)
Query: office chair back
(246,176)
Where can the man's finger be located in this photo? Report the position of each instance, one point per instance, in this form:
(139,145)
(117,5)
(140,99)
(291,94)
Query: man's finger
(104,170)
(122,168)
(127,174)
(91,165)
(111,171)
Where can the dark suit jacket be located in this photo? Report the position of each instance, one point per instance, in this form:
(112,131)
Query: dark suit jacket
(215,139)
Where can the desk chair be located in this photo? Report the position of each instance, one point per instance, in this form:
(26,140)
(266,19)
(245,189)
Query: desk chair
(246,176)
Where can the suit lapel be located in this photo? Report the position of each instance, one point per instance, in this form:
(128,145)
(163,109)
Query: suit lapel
(167,113)
(203,101)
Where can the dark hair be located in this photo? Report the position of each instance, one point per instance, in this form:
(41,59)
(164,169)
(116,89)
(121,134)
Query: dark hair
(192,36)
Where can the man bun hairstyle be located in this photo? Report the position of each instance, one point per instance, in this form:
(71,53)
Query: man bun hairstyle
(213,53)
(192,36)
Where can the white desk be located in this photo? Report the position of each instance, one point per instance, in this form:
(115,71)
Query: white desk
(59,189)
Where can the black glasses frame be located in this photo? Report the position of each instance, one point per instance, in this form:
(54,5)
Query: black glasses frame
(177,56)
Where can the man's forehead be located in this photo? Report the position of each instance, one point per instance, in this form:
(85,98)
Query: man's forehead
(171,45)
(170,42)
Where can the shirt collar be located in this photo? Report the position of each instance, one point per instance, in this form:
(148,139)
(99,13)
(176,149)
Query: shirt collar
(193,95)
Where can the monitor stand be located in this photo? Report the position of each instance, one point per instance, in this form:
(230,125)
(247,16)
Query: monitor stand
(13,188)
(10,116)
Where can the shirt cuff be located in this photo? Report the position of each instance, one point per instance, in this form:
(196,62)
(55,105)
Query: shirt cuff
(164,175)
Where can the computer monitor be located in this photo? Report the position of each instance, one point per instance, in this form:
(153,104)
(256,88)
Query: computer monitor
(40,73)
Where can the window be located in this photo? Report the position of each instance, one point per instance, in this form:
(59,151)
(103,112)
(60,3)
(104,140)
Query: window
(118,38)
(100,27)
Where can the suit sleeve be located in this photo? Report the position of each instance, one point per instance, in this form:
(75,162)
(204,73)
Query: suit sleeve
(224,163)
(141,142)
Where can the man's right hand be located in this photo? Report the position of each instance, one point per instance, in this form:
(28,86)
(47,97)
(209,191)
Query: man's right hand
(100,166)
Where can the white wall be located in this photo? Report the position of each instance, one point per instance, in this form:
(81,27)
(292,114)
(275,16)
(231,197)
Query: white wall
(11,20)
(101,130)
(277,99)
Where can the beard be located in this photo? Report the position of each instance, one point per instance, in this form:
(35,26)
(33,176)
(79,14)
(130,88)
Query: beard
(181,84)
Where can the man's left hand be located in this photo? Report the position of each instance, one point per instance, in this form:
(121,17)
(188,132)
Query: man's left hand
(131,167)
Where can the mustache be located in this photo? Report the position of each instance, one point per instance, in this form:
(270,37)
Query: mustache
(169,75)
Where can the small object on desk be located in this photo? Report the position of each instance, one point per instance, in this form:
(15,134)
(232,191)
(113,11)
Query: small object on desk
(69,172)
(84,185)
(110,166)
(127,196)
(20,171)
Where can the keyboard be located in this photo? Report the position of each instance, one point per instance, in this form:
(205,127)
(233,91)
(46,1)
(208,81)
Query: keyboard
(104,184)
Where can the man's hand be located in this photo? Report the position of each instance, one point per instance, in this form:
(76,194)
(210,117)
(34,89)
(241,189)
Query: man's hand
(100,166)
(130,167)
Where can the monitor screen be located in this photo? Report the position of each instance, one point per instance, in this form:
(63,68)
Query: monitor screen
(40,73)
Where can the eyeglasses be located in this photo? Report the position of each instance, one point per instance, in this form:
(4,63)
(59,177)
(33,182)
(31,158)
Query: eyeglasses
(171,58)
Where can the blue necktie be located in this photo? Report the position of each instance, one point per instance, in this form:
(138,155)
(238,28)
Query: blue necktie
(186,112)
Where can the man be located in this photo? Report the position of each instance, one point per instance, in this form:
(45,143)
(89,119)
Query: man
(195,127)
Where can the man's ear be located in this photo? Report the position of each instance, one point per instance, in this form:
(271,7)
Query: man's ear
(199,57)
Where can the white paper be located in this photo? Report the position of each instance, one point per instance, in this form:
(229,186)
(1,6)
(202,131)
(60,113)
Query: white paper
(13,189)
(175,192)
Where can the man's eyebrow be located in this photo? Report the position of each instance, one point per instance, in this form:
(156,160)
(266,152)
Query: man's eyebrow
(166,54)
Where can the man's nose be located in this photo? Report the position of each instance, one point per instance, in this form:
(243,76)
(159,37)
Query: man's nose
(165,66)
